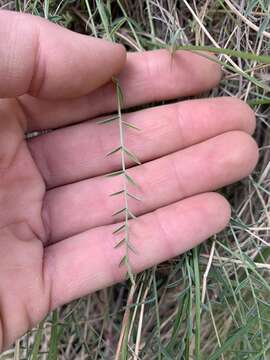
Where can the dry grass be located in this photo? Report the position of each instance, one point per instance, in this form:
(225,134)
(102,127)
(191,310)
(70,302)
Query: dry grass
(230,303)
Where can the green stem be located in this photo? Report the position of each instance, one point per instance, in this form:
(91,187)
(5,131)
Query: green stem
(241,54)
(197,304)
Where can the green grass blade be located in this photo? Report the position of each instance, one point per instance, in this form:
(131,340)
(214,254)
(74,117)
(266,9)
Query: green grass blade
(197,304)
(238,335)
(37,342)
(53,347)
(235,53)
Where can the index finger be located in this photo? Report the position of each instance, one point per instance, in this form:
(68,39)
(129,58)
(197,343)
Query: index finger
(146,77)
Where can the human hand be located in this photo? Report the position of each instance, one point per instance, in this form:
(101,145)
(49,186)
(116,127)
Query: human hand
(56,224)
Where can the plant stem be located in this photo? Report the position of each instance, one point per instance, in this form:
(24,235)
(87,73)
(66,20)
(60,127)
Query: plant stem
(125,181)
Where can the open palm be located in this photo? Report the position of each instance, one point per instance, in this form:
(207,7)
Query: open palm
(56,241)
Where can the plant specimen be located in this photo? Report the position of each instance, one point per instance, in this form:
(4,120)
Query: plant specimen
(123,230)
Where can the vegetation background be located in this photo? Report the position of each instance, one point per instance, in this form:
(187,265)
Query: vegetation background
(212,302)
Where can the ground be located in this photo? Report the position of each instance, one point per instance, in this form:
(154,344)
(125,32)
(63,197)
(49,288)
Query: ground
(215,297)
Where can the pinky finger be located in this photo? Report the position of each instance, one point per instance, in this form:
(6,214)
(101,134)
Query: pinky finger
(88,261)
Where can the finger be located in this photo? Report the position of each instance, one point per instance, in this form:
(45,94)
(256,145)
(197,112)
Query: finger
(203,167)
(147,77)
(88,261)
(78,152)
(48,61)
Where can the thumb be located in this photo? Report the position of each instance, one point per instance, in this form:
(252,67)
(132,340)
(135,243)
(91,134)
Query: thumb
(48,61)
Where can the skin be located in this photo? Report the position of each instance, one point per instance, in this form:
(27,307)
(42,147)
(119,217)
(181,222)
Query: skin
(55,213)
